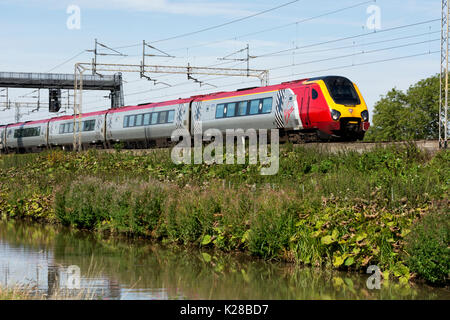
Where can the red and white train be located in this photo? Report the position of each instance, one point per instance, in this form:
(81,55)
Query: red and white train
(325,108)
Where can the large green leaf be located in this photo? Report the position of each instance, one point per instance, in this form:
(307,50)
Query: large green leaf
(349,261)
(327,240)
(206,257)
(206,240)
(338,261)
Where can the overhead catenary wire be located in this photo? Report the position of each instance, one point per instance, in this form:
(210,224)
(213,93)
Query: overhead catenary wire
(297,48)
(212,27)
(303,74)
(260,31)
(360,64)
(67,61)
(355,45)
(275,28)
(366,52)
(348,38)
(241,19)
(304,63)
(344,38)
(226,23)
(354,54)
(309,46)
(278,77)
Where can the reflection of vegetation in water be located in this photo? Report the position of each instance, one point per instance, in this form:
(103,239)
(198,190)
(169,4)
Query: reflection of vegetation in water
(200,275)
(212,275)
(342,211)
(37,237)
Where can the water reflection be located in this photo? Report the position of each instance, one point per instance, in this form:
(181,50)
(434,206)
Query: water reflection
(120,269)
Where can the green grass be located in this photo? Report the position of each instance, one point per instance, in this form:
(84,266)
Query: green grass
(343,211)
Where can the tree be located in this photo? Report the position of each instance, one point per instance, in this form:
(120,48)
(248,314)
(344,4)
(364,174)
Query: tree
(407,116)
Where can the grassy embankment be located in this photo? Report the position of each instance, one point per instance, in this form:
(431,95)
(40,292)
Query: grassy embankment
(387,207)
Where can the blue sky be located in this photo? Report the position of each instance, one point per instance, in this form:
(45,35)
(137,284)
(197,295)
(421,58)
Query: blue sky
(35,38)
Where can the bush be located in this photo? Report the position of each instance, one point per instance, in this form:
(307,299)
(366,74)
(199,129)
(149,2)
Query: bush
(428,248)
(95,204)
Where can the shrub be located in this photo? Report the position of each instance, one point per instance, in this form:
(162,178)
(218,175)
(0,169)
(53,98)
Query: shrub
(428,248)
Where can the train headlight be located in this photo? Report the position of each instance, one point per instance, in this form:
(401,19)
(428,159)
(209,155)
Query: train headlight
(365,115)
(335,114)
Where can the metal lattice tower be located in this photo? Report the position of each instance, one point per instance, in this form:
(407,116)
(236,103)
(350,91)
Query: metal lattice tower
(443,100)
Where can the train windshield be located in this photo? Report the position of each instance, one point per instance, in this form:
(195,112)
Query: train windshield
(342,91)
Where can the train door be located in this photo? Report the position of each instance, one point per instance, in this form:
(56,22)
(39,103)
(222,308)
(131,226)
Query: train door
(104,128)
(304,106)
(189,125)
(47,134)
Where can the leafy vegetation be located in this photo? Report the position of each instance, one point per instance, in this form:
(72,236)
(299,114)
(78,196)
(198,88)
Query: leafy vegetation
(428,247)
(343,211)
(410,115)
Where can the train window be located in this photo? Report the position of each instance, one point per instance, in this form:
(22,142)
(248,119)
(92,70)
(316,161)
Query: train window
(314,94)
(254,107)
(342,90)
(154,117)
(131,121)
(219,110)
(61,128)
(89,125)
(139,120)
(171,116)
(242,108)
(27,132)
(231,108)
(146,121)
(162,117)
(125,121)
(267,105)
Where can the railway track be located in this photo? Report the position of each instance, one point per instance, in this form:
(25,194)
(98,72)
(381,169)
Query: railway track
(431,146)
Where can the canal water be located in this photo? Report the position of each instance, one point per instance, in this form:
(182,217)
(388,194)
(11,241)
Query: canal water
(63,263)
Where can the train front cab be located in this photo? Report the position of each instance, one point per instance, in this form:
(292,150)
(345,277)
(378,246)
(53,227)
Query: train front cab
(334,107)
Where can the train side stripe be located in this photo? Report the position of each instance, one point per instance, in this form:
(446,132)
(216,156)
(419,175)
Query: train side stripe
(279,109)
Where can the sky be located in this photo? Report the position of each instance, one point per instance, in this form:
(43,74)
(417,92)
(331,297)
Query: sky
(379,44)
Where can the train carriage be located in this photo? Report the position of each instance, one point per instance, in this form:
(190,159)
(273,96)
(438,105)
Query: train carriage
(61,130)
(148,124)
(27,136)
(254,108)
